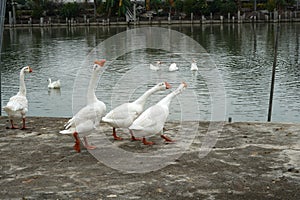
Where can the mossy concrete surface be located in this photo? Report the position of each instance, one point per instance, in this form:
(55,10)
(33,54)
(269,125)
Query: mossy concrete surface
(249,161)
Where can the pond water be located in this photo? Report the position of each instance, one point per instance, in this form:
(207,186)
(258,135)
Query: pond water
(242,54)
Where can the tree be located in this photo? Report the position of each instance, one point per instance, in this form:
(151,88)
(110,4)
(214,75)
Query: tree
(70,10)
(119,6)
(195,6)
(228,7)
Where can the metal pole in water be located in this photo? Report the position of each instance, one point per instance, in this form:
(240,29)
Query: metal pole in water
(2,18)
(273,74)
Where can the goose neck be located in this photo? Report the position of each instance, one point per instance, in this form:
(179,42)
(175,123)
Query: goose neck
(22,88)
(91,96)
(142,99)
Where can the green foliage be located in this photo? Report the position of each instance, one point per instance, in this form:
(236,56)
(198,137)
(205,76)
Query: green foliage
(101,9)
(280,4)
(123,7)
(70,10)
(276,4)
(195,6)
(179,5)
(50,7)
(261,6)
(155,4)
(188,6)
(248,5)
(271,5)
(223,7)
(228,7)
(119,6)
(37,12)
(215,6)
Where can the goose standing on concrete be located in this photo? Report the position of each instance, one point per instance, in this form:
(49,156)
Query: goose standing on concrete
(152,120)
(123,115)
(17,105)
(89,117)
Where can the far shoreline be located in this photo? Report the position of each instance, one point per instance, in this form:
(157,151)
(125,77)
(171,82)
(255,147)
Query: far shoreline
(107,23)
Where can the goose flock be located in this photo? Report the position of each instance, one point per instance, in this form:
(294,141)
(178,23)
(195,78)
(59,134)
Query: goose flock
(131,115)
(173,66)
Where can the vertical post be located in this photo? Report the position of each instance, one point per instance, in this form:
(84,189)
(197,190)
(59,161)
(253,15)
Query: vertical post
(14,12)
(10,19)
(273,75)
(134,12)
(2,17)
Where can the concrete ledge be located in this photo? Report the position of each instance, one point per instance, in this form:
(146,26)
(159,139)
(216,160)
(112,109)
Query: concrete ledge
(249,161)
(153,22)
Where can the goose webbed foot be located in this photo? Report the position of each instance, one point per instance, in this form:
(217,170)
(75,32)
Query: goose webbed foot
(86,144)
(167,139)
(135,139)
(24,124)
(12,126)
(115,135)
(145,142)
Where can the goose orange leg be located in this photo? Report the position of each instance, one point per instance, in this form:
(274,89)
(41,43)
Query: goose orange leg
(86,144)
(167,139)
(145,142)
(24,124)
(77,142)
(115,135)
(12,124)
(134,138)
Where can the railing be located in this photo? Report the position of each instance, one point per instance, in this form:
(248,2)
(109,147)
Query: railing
(129,15)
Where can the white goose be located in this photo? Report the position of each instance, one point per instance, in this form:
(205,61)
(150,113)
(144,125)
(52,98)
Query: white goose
(54,84)
(152,120)
(173,67)
(155,67)
(123,115)
(17,105)
(194,66)
(89,117)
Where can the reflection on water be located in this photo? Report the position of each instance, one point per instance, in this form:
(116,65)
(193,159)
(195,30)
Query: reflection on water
(243,54)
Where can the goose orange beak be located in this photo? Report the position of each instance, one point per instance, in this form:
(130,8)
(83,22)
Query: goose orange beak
(100,62)
(30,69)
(168,86)
(184,84)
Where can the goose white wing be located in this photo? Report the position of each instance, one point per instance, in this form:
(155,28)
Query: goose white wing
(150,122)
(123,115)
(86,119)
(17,105)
